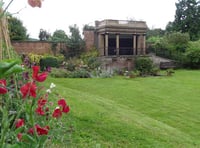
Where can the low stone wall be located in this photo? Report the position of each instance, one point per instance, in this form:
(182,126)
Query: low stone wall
(117,63)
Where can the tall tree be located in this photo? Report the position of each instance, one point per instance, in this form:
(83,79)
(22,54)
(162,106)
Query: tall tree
(59,36)
(75,41)
(16,29)
(187,18)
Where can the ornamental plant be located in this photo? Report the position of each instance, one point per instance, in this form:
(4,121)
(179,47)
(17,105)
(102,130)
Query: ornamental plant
(26,113)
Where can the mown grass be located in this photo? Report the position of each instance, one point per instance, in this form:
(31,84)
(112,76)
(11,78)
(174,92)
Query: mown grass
(140,112)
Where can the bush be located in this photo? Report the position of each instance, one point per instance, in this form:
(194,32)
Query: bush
(80,73)
(59,73)
(49,62)
(192,55)
(144,65)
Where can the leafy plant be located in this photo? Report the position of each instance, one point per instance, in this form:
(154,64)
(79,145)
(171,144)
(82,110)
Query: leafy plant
(144,65)
(26,113)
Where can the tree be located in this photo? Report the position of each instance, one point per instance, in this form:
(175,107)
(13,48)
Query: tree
(59,36)
(16,29)
(75,42)
(187,18)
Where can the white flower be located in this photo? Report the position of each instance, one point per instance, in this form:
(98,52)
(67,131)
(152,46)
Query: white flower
(52,85)
(48,90)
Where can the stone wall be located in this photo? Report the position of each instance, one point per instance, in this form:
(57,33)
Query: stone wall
(37,47)
(117,63)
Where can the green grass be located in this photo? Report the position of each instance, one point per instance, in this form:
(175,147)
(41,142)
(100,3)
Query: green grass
(141,112)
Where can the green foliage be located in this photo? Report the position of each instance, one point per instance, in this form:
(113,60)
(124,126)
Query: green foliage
(16,29)
(187,18)
(8,67)
(59,36)
(74,42)
(155,33)
(144,65)
(59,73)
(79,73)
(35,58)
(193,55)
(91,59)
(48,61)
(177,41)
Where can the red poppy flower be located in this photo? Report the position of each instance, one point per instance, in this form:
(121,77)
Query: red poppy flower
(57,113)
(3,89)
(19,123)
(19,136)
(31,131)
(65,109)
(40,111)
(42,131)
(42,102)
(62,102)
(28,89)
(35,3)
(38,77)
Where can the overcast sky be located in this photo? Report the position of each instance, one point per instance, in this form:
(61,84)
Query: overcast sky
(60,14)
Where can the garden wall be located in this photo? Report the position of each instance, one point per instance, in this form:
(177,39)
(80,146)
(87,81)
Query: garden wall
(37,47)
(116,63)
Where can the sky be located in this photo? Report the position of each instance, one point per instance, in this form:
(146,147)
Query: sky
(60,14)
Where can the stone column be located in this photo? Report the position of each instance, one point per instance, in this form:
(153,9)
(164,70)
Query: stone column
(106,44)
(134,44)
(101,44)
(139,44)
(144,44)
(117,44)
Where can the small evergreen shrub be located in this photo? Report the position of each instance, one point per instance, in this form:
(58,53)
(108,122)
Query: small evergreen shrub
(49,61)
(144,65)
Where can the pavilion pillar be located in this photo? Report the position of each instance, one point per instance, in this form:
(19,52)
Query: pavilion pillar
(101,44)
(106,44)
(144,44)
(134,44)
(117,44)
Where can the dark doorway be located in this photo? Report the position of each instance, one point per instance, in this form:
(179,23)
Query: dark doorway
(126,45)
(111,44)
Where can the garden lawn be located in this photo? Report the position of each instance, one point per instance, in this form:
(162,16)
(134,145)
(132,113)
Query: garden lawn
(140,112)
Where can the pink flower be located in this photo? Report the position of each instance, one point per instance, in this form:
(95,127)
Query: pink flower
(38,77)
(28,89)
(19,123)
(3,89)
(35,3)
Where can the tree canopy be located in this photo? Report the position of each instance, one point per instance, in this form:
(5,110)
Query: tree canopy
(16,29)
(187,18)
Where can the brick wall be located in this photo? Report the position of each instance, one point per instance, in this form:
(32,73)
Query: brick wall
(36,47)
(89,39)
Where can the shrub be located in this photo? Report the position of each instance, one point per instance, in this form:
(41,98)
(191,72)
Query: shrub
(192,55)
(34,58)
(79,73)
(48,62)
(59,73)
(144,65)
